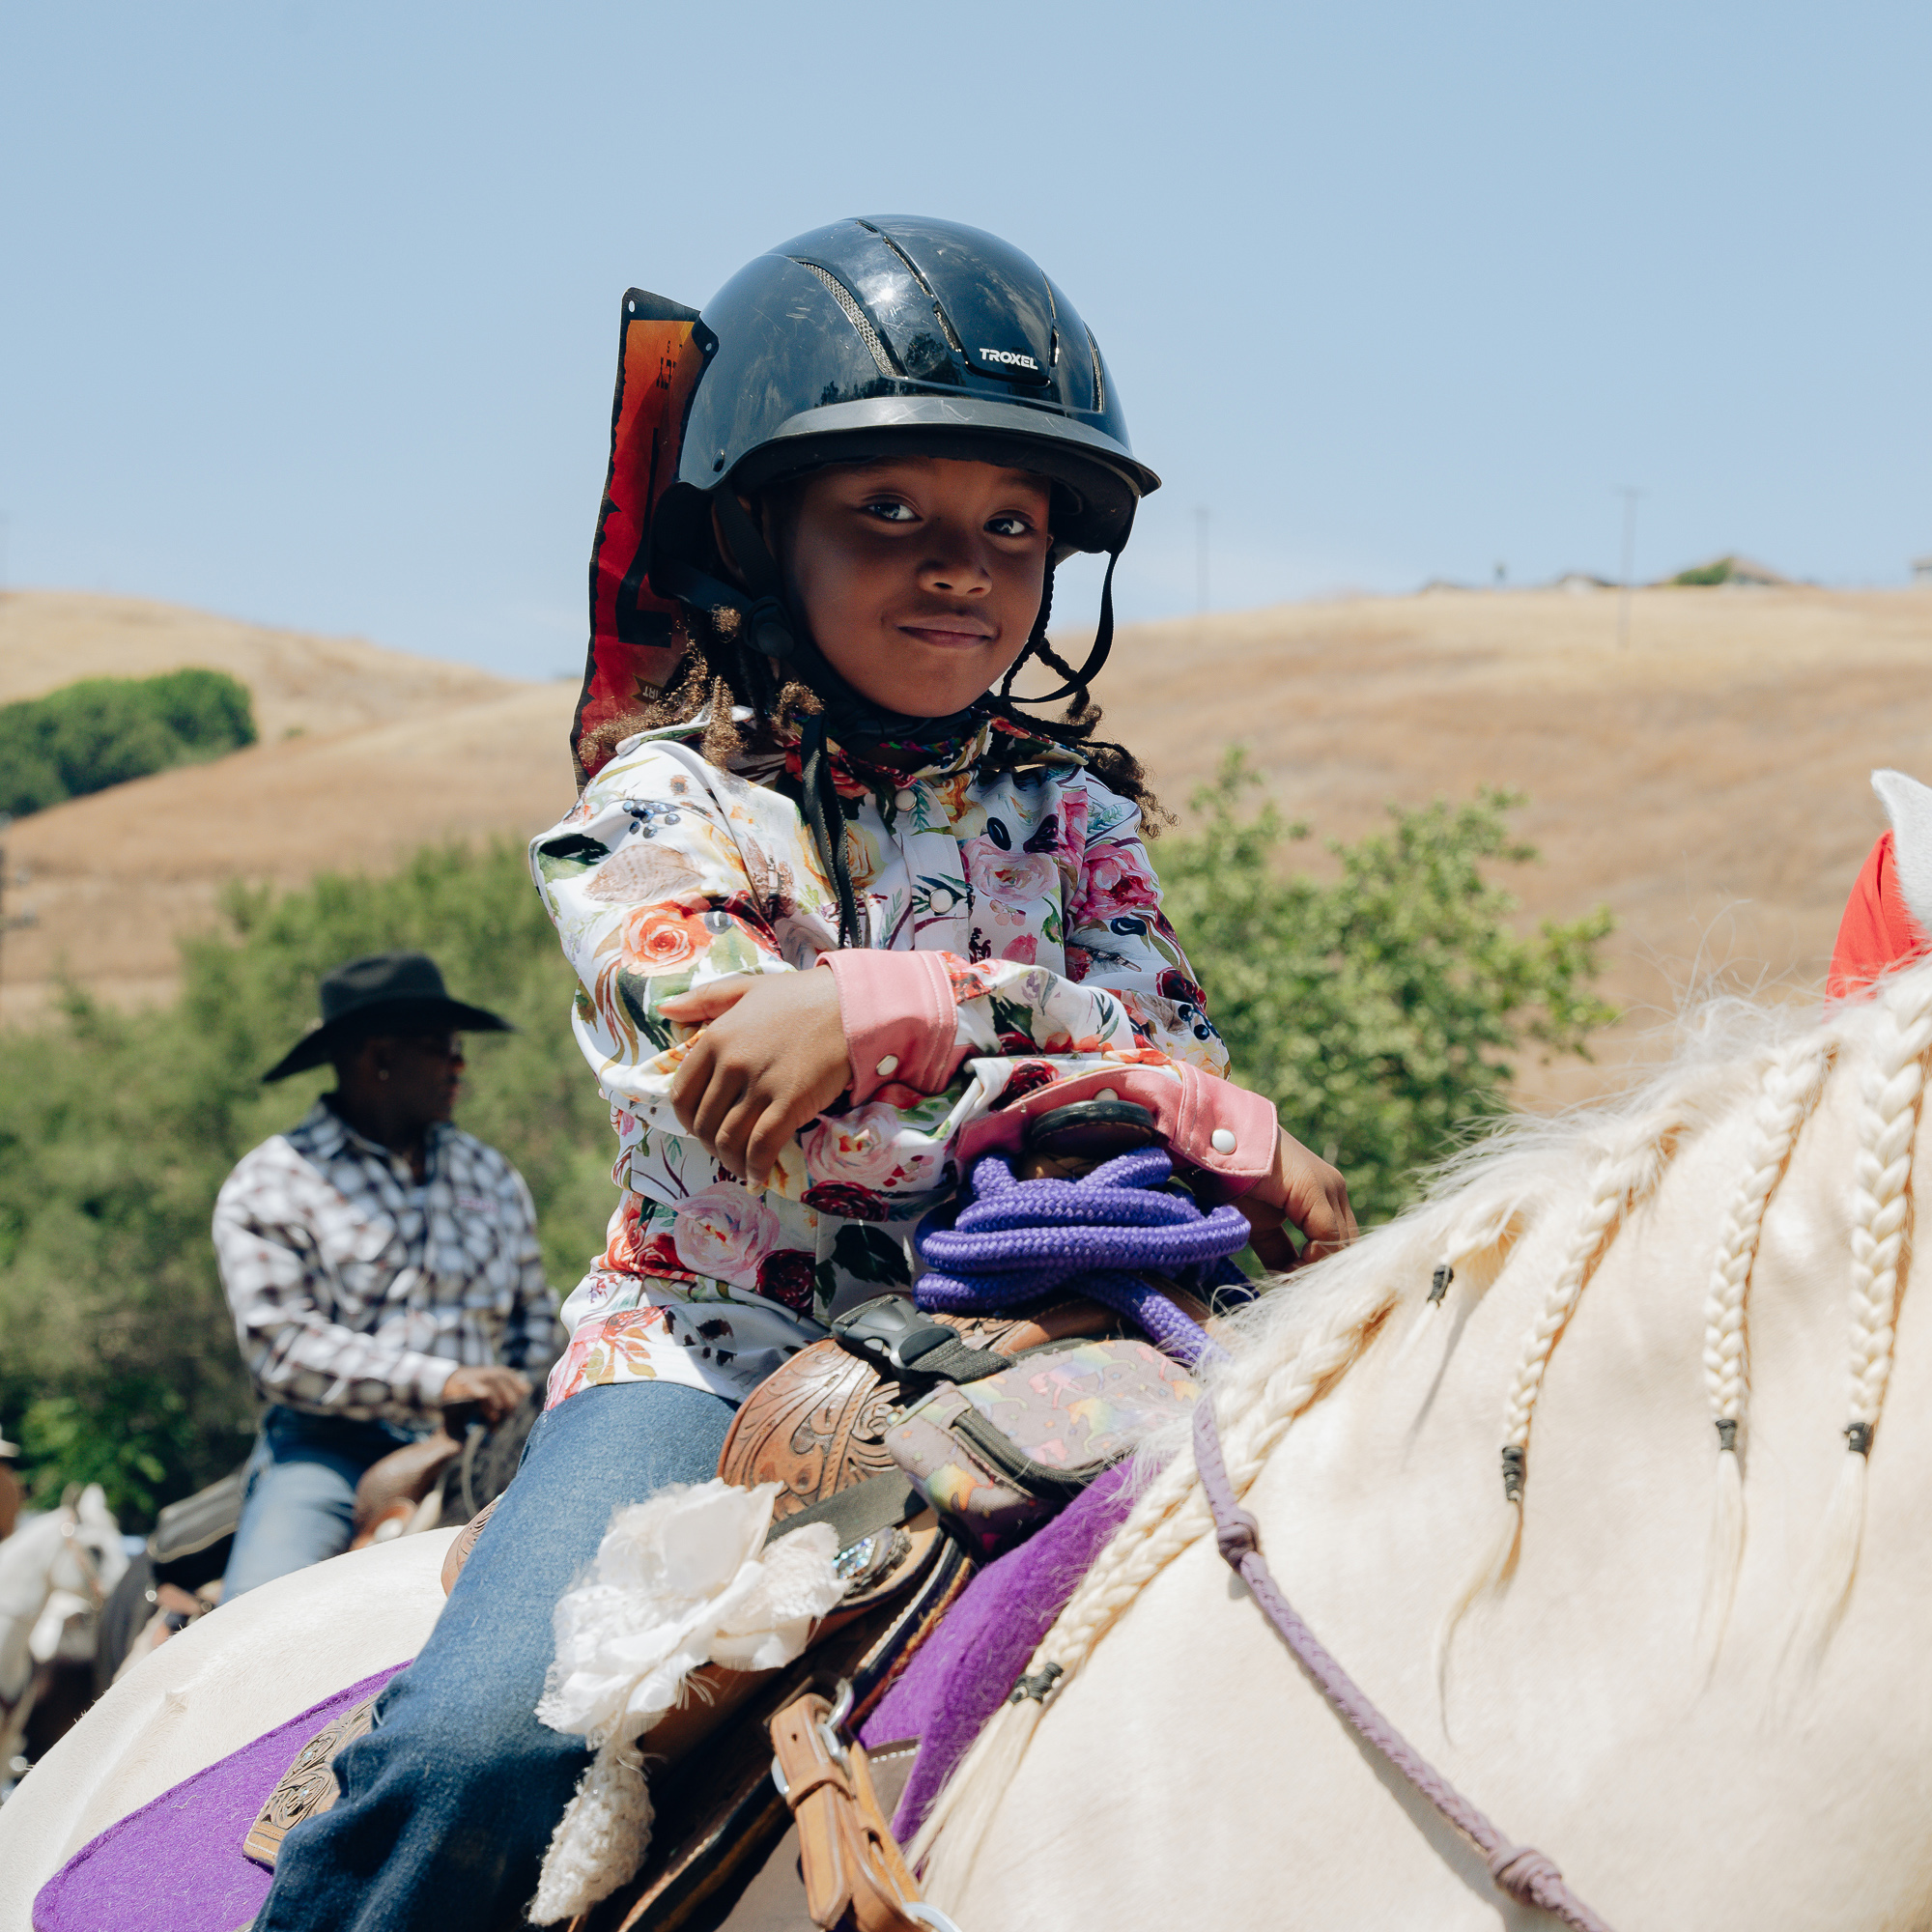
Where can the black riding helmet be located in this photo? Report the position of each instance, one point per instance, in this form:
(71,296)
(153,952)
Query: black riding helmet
(883,336)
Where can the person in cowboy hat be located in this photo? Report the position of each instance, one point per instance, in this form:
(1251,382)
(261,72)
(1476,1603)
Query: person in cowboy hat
(381,1264)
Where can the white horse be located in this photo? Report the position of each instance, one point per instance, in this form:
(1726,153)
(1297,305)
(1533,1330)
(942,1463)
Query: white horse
(1690,1665)
(55,1572)
(1687,1664)
(230,1675)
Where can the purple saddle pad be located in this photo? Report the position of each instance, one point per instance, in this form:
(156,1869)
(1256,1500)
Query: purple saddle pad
(966,1669)
(177,1864)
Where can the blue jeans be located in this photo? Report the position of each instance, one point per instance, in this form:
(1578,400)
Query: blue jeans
(448,1805)
(301,1494)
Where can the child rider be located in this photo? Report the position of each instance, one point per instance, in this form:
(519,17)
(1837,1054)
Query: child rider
(840,912)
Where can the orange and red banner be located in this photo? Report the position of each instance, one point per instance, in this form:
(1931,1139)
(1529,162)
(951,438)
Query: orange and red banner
(636,636)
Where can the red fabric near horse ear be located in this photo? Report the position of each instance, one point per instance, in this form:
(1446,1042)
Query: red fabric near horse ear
(1878,930)
(636,636)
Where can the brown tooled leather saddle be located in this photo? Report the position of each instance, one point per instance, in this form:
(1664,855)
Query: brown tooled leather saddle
(725,1826)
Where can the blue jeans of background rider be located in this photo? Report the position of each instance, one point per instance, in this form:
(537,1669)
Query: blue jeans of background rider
(300,1494)
(448,1804)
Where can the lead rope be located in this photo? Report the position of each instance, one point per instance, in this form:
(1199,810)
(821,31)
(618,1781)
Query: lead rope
(1519,1871)
(1007,1241)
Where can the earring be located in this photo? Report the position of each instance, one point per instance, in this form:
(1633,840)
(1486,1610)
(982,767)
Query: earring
(382,1073)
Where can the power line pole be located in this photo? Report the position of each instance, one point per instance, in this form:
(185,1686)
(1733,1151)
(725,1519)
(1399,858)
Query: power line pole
(1201,559)
(1630,497)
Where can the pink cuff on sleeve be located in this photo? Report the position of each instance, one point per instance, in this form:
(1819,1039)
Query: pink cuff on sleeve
(901,1023)
(1210,1122)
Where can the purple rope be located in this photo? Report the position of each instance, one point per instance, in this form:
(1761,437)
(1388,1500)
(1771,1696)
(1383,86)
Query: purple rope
(1013,1240)
(1520,1871)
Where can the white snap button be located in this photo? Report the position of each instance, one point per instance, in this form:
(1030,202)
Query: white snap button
(1221,1141)
(906,800)
(1106,1093)
(888,1064)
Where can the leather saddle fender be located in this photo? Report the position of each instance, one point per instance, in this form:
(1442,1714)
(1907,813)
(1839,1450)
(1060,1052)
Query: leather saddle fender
(816,1425)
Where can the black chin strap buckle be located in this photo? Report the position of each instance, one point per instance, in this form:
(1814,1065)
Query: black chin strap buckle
(768,627)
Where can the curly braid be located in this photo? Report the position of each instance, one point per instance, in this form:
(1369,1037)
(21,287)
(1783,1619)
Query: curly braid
(716,673)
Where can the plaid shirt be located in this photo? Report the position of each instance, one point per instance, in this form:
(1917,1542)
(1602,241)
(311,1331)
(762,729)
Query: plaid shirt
(357,1293)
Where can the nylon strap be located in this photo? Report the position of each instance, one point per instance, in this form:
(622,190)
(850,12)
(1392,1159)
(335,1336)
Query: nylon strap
(879,1502)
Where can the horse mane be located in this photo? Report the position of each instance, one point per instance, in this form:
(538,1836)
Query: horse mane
(1295,1345)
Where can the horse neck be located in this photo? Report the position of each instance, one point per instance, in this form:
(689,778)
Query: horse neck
(1623,1460)
(1580,1706)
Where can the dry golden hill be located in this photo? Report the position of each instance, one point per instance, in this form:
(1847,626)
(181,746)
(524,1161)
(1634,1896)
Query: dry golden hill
(365,754)
(1708,782)
(303,684)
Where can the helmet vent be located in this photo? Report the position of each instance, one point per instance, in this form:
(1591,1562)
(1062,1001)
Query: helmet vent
(910,267)
(1099,381)
(957,347)
(881,352)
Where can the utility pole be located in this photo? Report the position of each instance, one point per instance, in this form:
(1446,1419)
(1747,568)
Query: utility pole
(11,922)
(1630,497)
(1201,559)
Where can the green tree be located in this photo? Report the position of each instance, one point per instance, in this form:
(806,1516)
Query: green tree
(1379,1011)
(105,730)
(117,1359)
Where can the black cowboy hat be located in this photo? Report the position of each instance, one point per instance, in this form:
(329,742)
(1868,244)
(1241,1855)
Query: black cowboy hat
(385,993)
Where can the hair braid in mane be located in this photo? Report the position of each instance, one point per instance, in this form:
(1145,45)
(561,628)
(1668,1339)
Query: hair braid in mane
(1893,1084)
(1491,1228)
(1793,1081)
(1263,1398)
(1624,1173)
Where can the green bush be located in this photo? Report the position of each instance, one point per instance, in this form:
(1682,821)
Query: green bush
(105,730)
(1376,1012)
(1705,575)
(117,1358)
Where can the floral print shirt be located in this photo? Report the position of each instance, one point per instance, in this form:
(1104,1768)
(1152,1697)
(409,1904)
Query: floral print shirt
(1031,883)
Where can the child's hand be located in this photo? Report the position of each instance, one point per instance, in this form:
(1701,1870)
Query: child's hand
(1306,1193)
(773,1057)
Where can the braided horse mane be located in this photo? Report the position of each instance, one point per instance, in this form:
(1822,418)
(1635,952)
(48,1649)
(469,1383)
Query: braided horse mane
(1398,1286)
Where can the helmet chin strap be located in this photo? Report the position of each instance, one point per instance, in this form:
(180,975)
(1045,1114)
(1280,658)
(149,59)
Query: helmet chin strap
(771,628)
(1103,636)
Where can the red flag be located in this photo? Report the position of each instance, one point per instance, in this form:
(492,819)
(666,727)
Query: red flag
(636,636)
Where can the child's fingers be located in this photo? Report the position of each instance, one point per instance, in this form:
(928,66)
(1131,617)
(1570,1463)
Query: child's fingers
(723,1092)
(689,1083)
(774,1130)
(708,1001)
(1273,1249)
(746,1141)
(1325,1218)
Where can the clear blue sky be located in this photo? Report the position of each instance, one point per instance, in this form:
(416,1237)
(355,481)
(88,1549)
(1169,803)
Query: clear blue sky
(308,312)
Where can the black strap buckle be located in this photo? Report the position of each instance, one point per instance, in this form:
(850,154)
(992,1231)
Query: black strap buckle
(891,1330)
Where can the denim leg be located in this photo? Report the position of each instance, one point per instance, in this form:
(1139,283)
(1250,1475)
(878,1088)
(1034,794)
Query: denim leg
(301,1497)
(448,1805)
